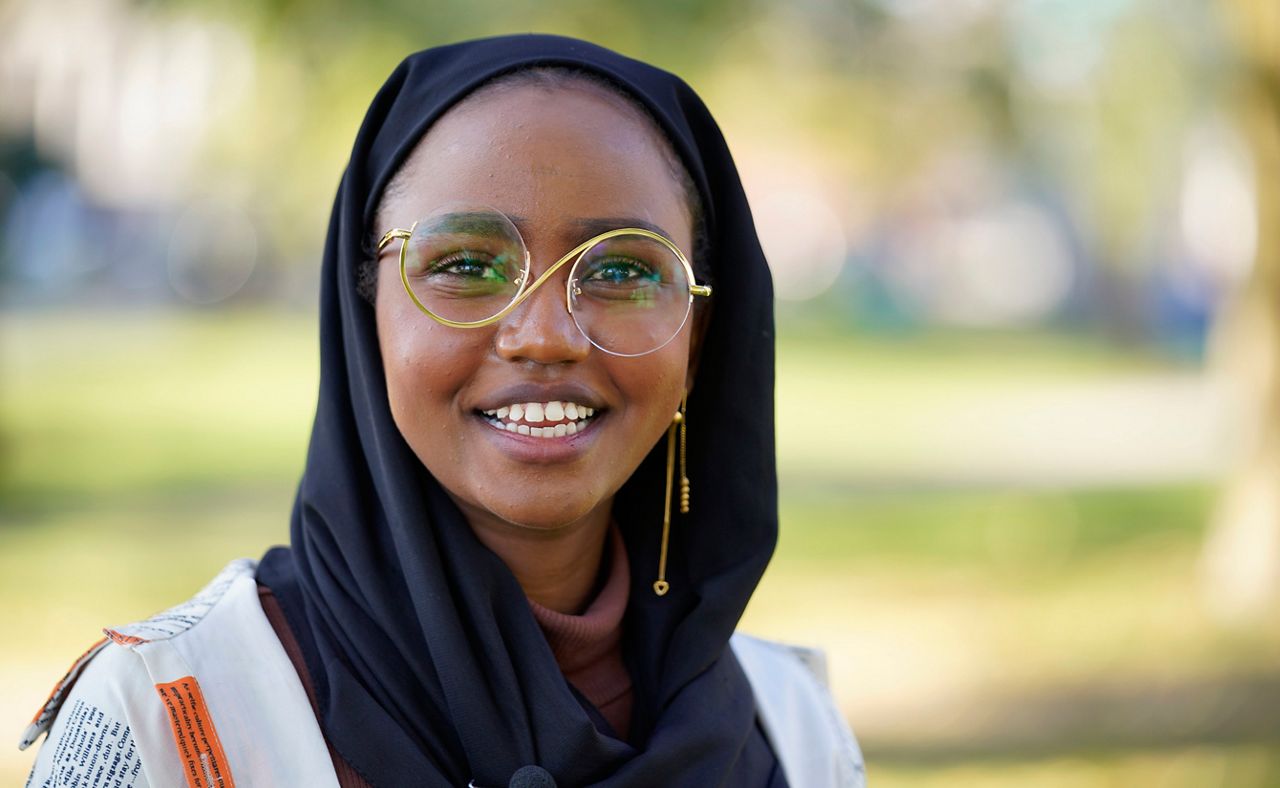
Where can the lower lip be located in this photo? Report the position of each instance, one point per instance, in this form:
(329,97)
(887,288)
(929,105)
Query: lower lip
(528,448)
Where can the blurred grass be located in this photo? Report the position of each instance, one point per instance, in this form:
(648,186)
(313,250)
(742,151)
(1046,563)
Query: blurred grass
(1193,767)
(118,405)
(980,636)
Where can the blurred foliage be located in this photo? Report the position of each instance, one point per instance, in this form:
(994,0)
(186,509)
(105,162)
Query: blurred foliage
(871,84)
(905,119)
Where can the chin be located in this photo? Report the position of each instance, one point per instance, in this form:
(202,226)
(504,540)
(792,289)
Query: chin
(551,517)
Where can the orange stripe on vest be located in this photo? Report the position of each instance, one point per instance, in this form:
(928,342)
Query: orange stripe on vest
(204,762)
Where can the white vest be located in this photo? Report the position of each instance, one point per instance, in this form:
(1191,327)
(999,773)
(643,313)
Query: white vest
(144,713)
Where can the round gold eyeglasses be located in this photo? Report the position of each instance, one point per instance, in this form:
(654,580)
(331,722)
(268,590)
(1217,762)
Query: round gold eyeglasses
(629,290)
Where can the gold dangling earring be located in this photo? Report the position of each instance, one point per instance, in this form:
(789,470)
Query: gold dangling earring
(661,586)
(684,471)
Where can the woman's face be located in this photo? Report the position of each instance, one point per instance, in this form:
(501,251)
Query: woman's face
(564,164)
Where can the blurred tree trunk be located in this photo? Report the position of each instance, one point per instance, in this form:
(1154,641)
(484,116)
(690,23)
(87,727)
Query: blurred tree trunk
(1242,552)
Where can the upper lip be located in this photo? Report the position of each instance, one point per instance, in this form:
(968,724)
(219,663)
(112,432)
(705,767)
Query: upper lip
(536,392)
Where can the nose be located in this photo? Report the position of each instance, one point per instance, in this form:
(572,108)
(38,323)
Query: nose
(541,329)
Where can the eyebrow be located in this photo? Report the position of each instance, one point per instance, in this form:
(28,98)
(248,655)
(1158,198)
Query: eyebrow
(472,221)
(595,225)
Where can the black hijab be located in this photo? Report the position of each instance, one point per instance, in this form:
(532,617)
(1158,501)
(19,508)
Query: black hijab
(428,664)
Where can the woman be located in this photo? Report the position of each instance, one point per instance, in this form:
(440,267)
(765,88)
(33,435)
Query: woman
(487,584)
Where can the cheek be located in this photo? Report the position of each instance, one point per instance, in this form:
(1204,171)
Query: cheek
(426,364)
(654,384)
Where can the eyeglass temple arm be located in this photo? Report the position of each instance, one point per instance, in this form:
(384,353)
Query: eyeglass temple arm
(392,235)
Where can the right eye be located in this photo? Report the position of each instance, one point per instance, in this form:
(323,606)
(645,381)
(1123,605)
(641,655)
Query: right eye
(467,265)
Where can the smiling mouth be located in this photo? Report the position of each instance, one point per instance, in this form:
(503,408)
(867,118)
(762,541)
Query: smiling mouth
(554,419)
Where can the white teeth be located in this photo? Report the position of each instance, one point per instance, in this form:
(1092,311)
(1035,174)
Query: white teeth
(538,412)
(557,431)
(519,417)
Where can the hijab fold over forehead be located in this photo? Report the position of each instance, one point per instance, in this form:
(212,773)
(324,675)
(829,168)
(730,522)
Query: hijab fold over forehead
(428,664)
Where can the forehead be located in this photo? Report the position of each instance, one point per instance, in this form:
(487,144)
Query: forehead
(553,156)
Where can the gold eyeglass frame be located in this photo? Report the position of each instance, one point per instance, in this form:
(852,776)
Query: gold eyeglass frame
(525,289)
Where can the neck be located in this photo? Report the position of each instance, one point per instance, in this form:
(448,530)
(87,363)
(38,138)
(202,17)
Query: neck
(556,567)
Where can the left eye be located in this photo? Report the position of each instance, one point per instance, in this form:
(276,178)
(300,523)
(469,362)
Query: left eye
(467,264)
(620,271)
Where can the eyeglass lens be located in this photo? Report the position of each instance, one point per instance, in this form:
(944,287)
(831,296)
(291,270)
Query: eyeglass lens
(629,294)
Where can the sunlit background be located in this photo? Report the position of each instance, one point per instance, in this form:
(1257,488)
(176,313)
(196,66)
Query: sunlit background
(1028,261)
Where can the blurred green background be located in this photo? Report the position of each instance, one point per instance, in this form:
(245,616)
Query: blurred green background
(1026,253)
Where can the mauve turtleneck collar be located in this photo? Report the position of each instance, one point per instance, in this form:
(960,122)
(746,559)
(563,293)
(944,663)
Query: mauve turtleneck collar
(588,647)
